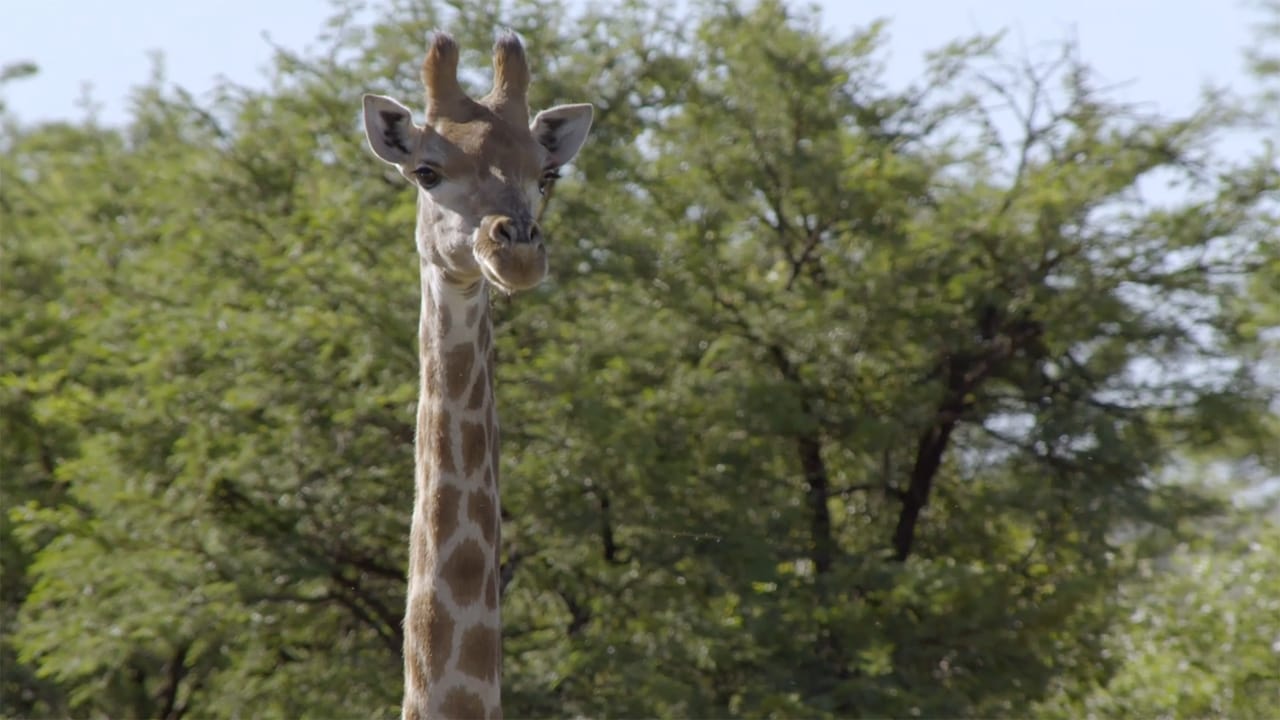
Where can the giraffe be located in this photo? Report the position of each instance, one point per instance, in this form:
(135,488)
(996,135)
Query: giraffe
(480,167)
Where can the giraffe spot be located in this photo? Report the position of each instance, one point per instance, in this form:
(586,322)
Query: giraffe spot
(464,572)
(440,449)
(479,390)
(429,627)
(483,511)
(443,513)
(439,638)
(457,369)
(446,320)
(473,314)
(491,593)
(473,447)
(460,704)
(484,339)
(480,654)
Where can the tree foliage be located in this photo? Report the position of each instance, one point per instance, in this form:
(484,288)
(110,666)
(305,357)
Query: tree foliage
(844,399)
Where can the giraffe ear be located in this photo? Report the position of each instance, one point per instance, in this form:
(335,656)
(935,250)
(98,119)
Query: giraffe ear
(389,127)
(562,130)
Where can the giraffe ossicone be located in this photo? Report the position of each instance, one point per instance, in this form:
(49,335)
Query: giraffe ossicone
(481,169)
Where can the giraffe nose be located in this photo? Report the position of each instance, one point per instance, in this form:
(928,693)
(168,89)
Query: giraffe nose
(509,232)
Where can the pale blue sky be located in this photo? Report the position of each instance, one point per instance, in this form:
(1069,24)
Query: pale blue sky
(1163,50)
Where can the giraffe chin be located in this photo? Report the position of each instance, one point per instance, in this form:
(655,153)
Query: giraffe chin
(512,267)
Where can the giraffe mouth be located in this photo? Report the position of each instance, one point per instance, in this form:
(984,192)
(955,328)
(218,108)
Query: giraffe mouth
(512,266)
(512,261)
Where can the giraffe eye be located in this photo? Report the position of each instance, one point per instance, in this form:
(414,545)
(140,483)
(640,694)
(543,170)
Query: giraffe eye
(547,180)
(428,177)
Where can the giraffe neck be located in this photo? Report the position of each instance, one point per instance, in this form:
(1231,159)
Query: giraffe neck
(452,632)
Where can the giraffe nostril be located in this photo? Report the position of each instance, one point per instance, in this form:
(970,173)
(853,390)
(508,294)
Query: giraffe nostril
(506,231)
(502,232)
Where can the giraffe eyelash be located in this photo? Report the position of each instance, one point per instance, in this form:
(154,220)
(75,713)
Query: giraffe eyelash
(547,180)
(546,184)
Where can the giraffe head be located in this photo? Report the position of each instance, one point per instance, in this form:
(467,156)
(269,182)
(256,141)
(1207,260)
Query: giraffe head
(480,166)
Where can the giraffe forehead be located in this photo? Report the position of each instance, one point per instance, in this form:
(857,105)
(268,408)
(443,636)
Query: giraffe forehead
(487,146)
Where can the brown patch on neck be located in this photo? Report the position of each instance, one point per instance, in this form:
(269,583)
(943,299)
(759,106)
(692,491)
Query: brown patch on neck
(483,511)
(438,449)
(480,653)
(444,512)
(429,627)
(446,321)
(439,637)
(479,391)
(460,704)
(474,447)
(458,364)
(464,572)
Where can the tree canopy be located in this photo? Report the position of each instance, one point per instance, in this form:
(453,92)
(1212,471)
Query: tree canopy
(957,399)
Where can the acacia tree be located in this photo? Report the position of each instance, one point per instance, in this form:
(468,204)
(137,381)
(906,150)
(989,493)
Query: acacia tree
(1199,621)
(924,355)
(845,399)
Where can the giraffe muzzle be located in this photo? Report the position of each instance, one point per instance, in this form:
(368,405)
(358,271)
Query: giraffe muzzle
(512,255)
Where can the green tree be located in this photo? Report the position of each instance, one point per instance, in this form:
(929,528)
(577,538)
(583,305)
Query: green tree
(1199,629)
(1198,637)
(37,297)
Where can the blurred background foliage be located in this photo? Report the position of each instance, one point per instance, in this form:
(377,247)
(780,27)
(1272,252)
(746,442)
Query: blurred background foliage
(955,399)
